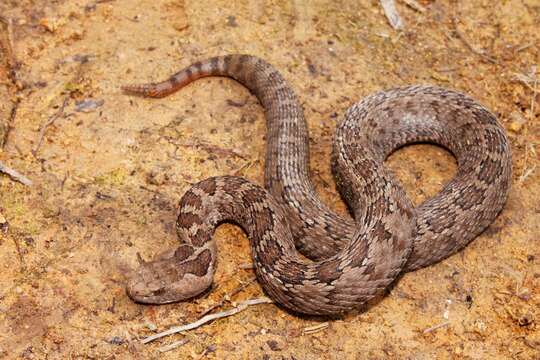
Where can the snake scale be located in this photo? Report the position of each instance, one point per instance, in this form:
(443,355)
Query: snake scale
(350,259)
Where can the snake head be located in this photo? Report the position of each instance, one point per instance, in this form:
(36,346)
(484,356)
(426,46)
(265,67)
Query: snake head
(171,277)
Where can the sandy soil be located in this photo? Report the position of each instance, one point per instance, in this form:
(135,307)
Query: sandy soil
(110,169)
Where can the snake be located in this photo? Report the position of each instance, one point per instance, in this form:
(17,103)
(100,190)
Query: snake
(308,258)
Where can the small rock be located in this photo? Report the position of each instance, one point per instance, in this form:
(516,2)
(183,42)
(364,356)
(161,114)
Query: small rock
(116,340)
(274,345)
(231,21)
(151,326)
(88,105)
(4,225)
(533,341)
(157,177)
(51,24)
(517,121)
(526,319)
(312,69)
(524,294)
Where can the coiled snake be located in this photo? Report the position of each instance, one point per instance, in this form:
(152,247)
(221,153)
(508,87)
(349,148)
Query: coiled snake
(350,260)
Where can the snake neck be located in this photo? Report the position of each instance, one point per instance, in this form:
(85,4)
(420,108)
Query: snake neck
(287,151)
(234,200)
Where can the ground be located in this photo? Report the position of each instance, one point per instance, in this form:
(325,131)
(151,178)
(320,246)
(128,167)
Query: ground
(108,170)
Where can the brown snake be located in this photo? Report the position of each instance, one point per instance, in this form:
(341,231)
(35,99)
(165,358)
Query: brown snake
(350,260)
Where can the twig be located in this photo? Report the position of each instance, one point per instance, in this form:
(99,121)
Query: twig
(13,66)
(530,342)
(12,116)
(530,80)
(4,225)
(214,149)
(433,328)
(247,165)
(206,351)
(535,90)
(389,7)
(415,5)
(174,345)
(526,173)
(246,266)
(527,79)
(15,175)
(470,47)
(15,237)
(227,297)
(10,50)
(75,80)
(205,319)
(314,329)
(49,122)
(524,47)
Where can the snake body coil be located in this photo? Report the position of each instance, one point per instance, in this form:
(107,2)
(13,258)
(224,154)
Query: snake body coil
(351,260)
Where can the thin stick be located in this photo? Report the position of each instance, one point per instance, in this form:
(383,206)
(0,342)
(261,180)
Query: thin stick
(415,5)
(49,122)
(10,49)
(246,266)
(15,175)
(531,81)
(205,319)
(535,89)
(316,328)
(433,328)
(227,297)
(15,238)
(214,149)
(247,165)
(525,79)
(4,225)
(389,7)
(524,47)
(10,122)
(13,66)
(526,173)
(173,346)
(470,47)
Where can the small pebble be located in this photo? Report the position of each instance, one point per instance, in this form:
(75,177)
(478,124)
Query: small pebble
(151,326)
(88,105)
(116,340)
(517,121)
(273,345)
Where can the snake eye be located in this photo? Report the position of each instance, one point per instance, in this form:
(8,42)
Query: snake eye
(158,292)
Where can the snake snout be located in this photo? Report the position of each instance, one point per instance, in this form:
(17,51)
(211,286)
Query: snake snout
(161,282)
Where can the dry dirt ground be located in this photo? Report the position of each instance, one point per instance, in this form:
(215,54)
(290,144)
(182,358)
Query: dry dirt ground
(108,170)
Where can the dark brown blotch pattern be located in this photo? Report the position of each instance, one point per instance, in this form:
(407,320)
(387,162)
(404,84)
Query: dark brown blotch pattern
(484,158)
(183,252)
(198,266)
